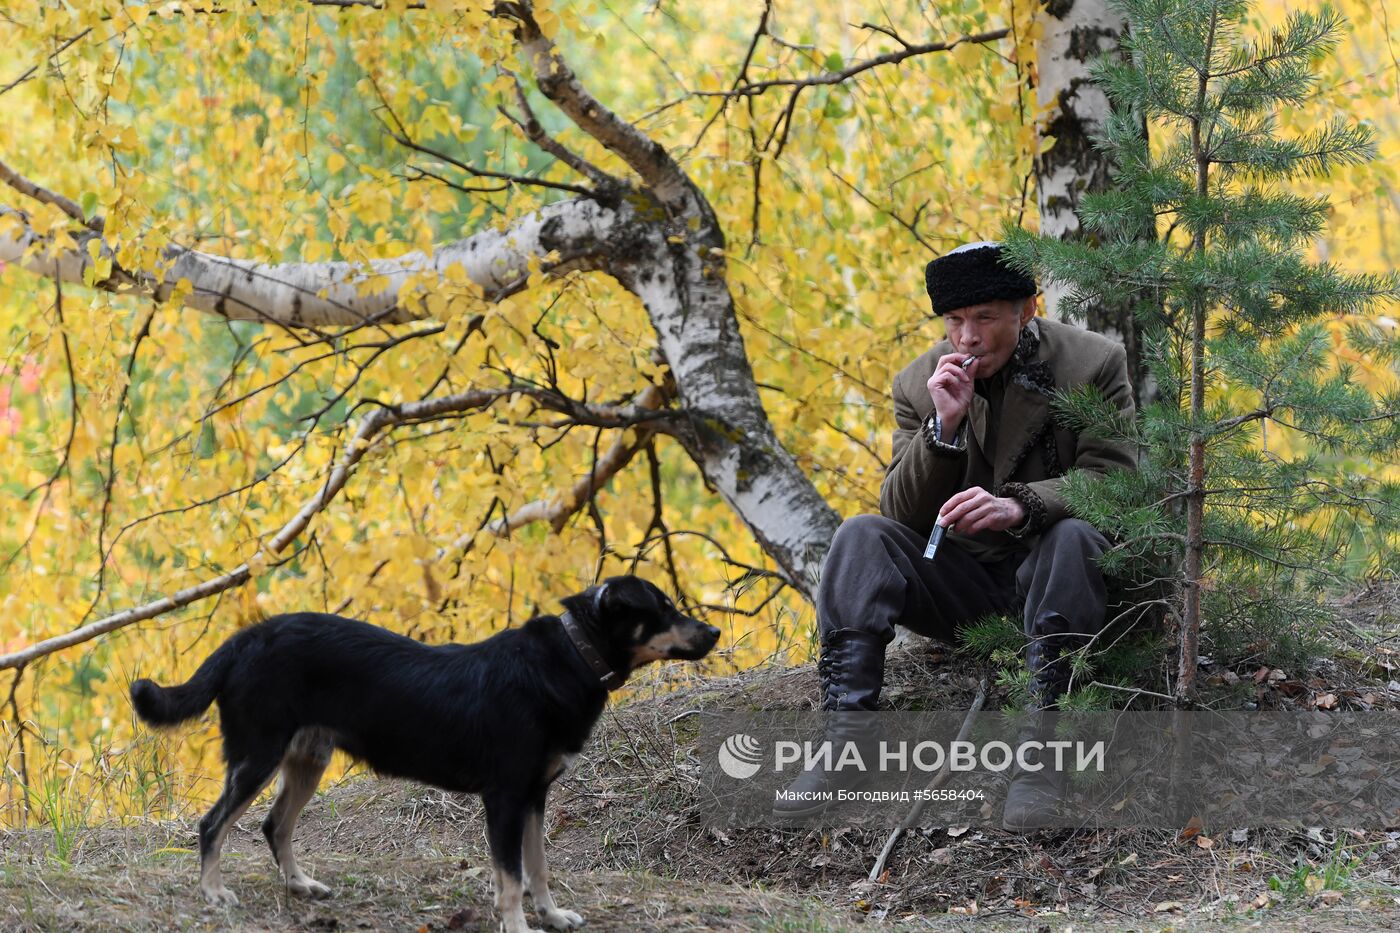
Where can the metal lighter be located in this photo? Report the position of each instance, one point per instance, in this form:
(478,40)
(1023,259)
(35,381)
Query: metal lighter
(936,538)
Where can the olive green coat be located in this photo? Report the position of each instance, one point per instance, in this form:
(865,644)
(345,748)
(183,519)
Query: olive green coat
(920,480)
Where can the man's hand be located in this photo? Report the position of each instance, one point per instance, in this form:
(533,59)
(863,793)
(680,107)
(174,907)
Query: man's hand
(976,509)
(950,387)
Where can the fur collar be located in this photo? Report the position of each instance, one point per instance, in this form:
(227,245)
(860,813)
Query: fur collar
(1026,371)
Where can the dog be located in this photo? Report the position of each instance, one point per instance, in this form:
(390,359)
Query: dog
(503,718)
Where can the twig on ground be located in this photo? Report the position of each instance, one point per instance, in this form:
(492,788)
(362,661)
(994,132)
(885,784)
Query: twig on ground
(917,810)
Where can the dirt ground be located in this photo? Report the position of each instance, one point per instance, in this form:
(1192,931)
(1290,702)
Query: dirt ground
(399,857)
(630,848)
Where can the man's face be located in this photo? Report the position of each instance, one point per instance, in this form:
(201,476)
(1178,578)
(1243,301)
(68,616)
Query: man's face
(989,331)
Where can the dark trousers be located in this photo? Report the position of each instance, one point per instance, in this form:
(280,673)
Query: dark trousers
(875,577)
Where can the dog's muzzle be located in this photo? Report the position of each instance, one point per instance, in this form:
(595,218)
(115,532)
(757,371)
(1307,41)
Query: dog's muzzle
(700,638)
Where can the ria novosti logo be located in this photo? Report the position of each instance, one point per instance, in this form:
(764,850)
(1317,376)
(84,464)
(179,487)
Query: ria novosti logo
(741,756)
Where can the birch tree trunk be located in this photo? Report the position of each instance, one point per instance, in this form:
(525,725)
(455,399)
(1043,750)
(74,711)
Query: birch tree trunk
(1075,33)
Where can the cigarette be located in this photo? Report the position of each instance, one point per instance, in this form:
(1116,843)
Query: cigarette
(967,362)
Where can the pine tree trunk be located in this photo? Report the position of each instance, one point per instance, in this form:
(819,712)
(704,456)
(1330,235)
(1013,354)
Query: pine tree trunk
(1195,517)
(1196,494)
(1076,32)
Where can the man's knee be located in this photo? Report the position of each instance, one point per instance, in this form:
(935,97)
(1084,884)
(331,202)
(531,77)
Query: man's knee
(1075,533)
(860,575)
(1067,550)
(859,533)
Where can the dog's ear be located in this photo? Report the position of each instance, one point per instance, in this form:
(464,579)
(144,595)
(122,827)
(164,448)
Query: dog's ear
(593,602)
(616,598)
(581,604)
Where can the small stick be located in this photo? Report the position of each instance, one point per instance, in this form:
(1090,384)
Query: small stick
(937,781)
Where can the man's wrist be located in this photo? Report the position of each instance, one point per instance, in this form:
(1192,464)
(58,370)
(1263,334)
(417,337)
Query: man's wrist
(1031,504)
(1019,513)
(939,439)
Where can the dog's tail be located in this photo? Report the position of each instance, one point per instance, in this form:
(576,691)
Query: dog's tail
(165,706)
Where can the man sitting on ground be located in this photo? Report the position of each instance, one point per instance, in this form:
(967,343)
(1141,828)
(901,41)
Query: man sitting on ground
(978,450)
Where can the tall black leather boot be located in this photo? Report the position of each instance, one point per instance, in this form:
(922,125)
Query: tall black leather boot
(1034,797)
(852,671)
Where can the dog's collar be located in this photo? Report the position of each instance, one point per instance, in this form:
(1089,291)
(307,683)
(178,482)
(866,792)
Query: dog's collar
(606,675)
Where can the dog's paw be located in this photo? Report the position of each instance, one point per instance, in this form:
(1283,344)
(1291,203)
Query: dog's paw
(220,896)
(561,919)
(308,887)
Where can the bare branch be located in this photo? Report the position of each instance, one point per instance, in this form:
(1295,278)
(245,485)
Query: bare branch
(651,541)
(742,77)
(887,31)
(888,212)
(64,461)
(488,173)
(558,510)
(109,483)
(51,56)
(838,77)
(20,728)
(421,174)
(658,524)
(399,133)
(938,780)
(794,46)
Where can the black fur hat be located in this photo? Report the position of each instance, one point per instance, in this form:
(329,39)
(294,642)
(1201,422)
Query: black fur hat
(971,275)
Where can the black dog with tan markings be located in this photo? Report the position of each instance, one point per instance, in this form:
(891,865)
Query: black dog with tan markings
(502,718)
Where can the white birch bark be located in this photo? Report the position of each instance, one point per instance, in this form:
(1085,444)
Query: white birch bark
(728,432)
(1075,32)
(330,293)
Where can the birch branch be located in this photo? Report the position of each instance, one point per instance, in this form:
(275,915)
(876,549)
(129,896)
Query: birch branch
(557,81)
(370,427)
(530,126)
(751,88)
(31,189)
(576,233)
